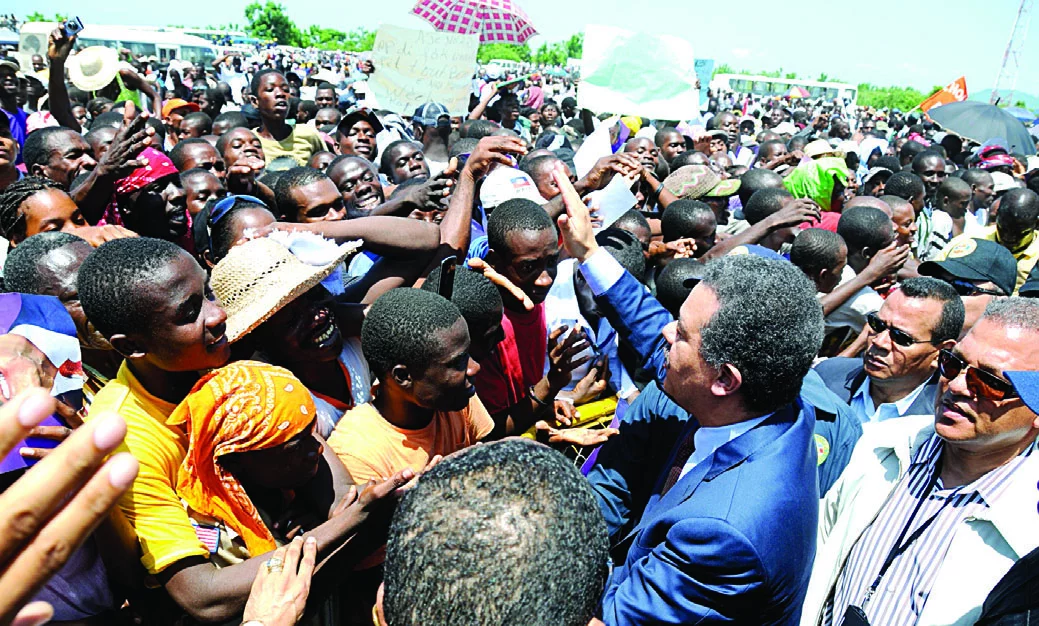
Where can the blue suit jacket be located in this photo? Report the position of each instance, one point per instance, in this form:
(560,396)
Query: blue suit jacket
(734,539)
(844,376)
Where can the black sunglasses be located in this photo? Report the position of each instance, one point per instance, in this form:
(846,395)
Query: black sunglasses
(981,383)
(898,336)
(966,288)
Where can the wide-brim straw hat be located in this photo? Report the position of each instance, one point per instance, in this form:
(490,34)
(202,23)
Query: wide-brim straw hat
(93,68)
(259,277)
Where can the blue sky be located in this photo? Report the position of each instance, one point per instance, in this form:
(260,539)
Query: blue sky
(903,42)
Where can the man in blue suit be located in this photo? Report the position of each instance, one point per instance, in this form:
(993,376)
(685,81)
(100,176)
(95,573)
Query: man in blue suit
(722,508)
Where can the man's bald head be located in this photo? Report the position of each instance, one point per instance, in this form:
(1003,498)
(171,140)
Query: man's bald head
(756,180)
(869,201)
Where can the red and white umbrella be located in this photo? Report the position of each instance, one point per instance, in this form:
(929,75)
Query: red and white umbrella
(495,20)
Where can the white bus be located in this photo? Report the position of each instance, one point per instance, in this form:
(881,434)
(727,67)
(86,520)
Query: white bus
(768,86)
(163,45)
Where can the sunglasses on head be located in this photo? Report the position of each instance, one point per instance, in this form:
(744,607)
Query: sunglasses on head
(966,288)
(981,383)
(898,336)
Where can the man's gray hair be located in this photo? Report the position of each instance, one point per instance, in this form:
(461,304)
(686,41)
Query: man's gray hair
(1014,312)
(769,326)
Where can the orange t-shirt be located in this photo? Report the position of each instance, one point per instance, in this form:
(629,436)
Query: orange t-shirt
(370,447)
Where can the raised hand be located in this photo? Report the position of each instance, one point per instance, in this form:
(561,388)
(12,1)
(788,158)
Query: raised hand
(133,136)
(562,355)
(50,510)
(493,150)
(576,223)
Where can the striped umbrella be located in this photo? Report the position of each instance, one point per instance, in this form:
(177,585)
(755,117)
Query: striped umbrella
(495,20)
(797,92)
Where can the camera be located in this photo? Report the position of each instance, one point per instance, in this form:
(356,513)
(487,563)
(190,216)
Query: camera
(73,26)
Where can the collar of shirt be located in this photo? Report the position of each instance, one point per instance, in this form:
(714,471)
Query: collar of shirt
(862,402)
(989,487)
(707,440)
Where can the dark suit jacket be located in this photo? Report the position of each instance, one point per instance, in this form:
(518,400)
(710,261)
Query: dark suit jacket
(844,376)
(734,539)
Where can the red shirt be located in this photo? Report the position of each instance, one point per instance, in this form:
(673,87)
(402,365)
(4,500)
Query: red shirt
(517,363)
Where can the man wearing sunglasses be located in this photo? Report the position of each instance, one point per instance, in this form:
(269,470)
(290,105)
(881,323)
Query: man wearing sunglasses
(895,376)
(978,270)
(933,510)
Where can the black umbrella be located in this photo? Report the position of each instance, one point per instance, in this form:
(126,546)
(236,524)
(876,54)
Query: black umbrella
(981,122)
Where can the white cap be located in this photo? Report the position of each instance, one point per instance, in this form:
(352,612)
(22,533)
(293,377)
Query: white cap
(506,183)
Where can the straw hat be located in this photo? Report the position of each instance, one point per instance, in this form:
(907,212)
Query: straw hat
(256,279)
(93,68)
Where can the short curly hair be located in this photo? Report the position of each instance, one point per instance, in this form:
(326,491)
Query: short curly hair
(111,282)
(512,216)
(477,298)
(21,273)
(473,514)
(401,327)
(768,325)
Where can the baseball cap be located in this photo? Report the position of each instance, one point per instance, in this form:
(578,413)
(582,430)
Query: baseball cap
(178,103)
(1002,182)
(785,128)
(1027,386)
(1031,287)
(10,64)
(428,113)
(506,183)
(977,260)
(356,114)
(876,171)
(697,181)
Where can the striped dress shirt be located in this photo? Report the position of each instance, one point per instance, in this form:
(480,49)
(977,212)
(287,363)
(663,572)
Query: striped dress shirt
(903,591)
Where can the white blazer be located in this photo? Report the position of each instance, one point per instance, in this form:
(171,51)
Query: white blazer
(983,547)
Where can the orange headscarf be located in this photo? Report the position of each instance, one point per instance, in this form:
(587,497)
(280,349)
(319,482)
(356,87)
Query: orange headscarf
(242,407)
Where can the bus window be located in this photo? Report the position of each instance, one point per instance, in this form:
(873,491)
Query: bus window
(816,92)
(197,54)
(139,49)
(831,94)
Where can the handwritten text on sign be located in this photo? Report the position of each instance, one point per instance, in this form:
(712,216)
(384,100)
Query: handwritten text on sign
(413,67)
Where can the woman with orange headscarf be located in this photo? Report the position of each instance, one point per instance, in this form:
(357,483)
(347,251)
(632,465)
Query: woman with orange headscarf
(252,459)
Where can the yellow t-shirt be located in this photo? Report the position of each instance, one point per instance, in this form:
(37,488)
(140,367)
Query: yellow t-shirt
(151,505)
(301,144)
(370,447)
(1026,258)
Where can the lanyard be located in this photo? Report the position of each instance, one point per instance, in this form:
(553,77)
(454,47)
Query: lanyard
(900,547)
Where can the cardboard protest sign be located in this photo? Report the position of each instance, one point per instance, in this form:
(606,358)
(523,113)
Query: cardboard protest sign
(413,67)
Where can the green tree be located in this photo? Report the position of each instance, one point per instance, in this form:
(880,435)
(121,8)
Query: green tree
(904,98)
(269,21)
(36,16)
(504,51)
(575,46)
(724,68)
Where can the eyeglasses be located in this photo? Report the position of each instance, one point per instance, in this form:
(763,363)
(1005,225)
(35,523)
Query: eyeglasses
(965,288)
(216,166)
(981,383)
(898,336)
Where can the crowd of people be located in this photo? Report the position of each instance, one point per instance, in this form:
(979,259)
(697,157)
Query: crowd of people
(776,363)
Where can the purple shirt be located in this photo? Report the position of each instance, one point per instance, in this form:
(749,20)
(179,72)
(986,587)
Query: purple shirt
(17,121)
